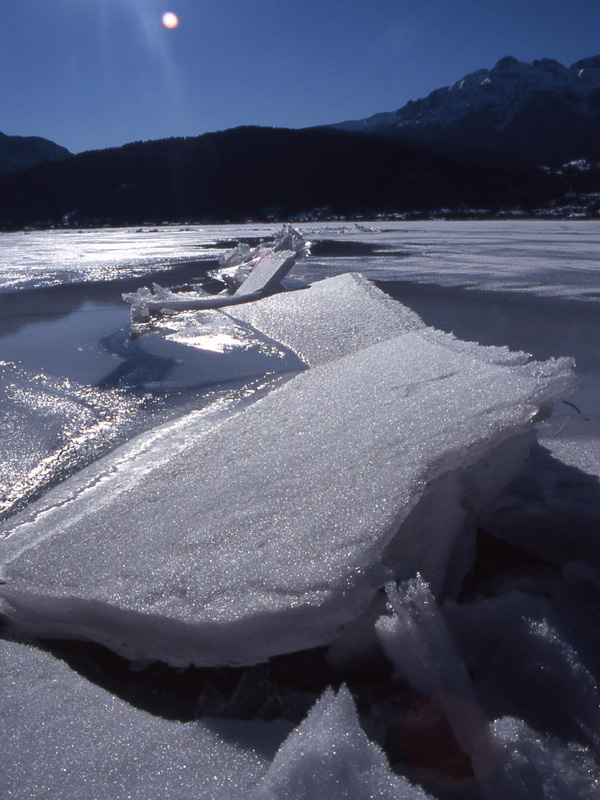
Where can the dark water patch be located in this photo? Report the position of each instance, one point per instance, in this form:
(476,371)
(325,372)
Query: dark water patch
(229,244)
(543,326)
(334,248)
(493,556)
(138,368)
(25,306)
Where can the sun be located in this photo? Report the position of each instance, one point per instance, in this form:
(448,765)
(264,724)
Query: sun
(170,20)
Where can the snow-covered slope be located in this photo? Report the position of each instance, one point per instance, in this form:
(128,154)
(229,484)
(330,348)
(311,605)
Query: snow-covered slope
(512,103)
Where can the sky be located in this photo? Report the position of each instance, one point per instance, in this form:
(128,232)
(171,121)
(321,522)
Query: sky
(91,74)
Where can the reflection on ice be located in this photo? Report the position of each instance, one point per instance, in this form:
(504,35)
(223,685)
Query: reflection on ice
(215,342)
(50,429)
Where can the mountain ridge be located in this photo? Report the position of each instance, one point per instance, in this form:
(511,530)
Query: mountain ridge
(541,112)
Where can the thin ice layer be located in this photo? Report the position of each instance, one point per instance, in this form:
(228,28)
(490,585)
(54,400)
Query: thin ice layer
(341,315)
(66,737)
(266,534)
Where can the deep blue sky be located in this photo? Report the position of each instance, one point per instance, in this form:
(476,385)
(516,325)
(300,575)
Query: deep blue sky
(97,73)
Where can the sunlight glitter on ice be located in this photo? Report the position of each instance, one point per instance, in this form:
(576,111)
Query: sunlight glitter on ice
(216,342)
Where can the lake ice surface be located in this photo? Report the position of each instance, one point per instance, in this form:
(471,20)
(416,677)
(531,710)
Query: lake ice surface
(533,287)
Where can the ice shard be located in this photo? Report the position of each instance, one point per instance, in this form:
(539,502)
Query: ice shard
(269,269)
(329,755)
(268,533)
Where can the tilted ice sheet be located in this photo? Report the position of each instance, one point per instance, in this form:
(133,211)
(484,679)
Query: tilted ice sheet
(63,736)
(342,315)
(265,534)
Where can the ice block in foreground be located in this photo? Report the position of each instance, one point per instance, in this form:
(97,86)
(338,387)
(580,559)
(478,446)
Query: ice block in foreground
(268,533)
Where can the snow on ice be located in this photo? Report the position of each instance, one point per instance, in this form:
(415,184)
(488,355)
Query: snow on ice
(98,746)
(268,533)
(63,736)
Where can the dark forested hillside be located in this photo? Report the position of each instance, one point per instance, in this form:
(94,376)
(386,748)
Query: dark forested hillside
(252,172)
(23,152)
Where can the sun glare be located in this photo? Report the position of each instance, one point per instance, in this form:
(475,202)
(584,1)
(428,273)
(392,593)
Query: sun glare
(170,20)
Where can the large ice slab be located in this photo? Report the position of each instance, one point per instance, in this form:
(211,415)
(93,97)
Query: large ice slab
(267,273)
(267,534)
(63,736)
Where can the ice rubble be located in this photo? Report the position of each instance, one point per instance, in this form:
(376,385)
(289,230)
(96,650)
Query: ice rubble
(251,273)
(97,745)
(235,264)
(509,759)
(536,643)
(270,532)
(63,736)
(418,644)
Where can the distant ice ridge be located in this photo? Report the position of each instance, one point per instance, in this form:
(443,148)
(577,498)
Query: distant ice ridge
(270,532)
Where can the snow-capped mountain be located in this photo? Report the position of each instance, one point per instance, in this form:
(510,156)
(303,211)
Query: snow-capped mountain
(22,152)
(541,110)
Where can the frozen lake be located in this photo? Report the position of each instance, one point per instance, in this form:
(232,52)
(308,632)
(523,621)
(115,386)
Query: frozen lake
(544,257)
(531,286)
(75,388)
